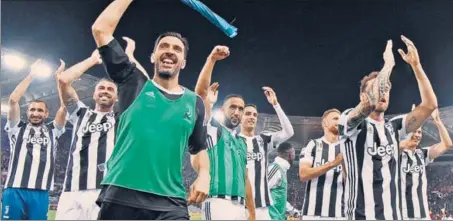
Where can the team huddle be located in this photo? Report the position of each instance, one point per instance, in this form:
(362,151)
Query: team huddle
(127,153)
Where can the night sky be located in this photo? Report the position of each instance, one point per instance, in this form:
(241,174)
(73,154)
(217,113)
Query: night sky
(313,53)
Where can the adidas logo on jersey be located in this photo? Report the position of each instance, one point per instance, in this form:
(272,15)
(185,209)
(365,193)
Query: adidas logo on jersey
(382,151)
(37,140)
(255,156)
(97,127)
(413,169)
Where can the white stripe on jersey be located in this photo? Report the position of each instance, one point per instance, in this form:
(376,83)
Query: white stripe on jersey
(371,155)
(32,155)
(91,146)
(257,166)
(414,185)
(324,194)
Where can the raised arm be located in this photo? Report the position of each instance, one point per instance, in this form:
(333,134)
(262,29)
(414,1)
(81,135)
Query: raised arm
(106,23)
(60,116)
(76,71)
(417,117)
(211,99)
(287,128)
(370,96)
(18,93)
(445,141)
(204,79)
(130,48)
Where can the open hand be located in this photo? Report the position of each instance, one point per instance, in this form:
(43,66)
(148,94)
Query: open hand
(270,95)
(130,46)
(411,57)
(213,93)
(388,53)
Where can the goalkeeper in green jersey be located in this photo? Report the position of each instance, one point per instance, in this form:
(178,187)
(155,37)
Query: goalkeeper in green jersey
(278,183)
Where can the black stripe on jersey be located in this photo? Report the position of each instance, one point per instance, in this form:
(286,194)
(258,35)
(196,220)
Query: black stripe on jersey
(42,163)
(68,185)
(101,154)
(378,179)
(257,197)
(307,187)
(419,188)
(84,154)
(409,183)
(350,174)
(15,162)
(28,160)
(360,204)
(392,174)
(321,180)
(333,194)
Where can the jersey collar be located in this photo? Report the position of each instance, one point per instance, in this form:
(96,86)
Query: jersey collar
(284,164)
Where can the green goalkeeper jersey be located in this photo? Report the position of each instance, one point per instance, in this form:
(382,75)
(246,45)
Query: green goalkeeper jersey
(227,157)
(151,140)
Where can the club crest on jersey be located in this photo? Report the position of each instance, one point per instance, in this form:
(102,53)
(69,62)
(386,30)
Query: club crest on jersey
(390,128)
(188,114)
(45,129)
(323,161)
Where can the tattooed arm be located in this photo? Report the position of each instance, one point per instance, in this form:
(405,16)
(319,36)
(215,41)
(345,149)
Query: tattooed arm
(417,116)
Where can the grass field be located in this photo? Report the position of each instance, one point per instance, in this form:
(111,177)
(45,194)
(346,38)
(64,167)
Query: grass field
(51,215)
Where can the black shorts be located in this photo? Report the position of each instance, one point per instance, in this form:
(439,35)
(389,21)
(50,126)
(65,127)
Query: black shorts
(113,211)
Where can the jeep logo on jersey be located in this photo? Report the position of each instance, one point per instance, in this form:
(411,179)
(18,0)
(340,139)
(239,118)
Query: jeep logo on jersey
(254,156)
(413,169)
(336,169)
(97,127)
(382,151)
(37,140)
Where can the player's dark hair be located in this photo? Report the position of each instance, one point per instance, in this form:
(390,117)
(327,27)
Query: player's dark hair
(327,112)
(106,79)
(251,105)
(228,97)
(284,148)
(39,101)
(176,35)
(364,81)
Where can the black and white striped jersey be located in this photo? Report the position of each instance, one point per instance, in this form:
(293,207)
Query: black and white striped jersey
(33,150)
(371,156)
(414,185)
(324,194)
(258,148)
(92,144)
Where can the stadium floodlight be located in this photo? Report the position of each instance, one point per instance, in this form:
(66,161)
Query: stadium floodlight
(13,61)
(218,115)
(5,107)
(44,70)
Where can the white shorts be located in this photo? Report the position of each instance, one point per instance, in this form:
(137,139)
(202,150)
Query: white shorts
(321,218)
(222,209)
(78,205)
(260,213)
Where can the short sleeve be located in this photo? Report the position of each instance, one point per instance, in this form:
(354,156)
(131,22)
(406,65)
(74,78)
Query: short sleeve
(425,151)
(343,128)
(274,176)
(306,154)
(399,125)
(57,130)
(13,126)
(74,111)
(116,62)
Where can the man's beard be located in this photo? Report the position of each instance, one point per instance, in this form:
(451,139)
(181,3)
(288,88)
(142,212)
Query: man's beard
(166,74)
(334,130)
(229,124)
(106,105)
(36,124)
